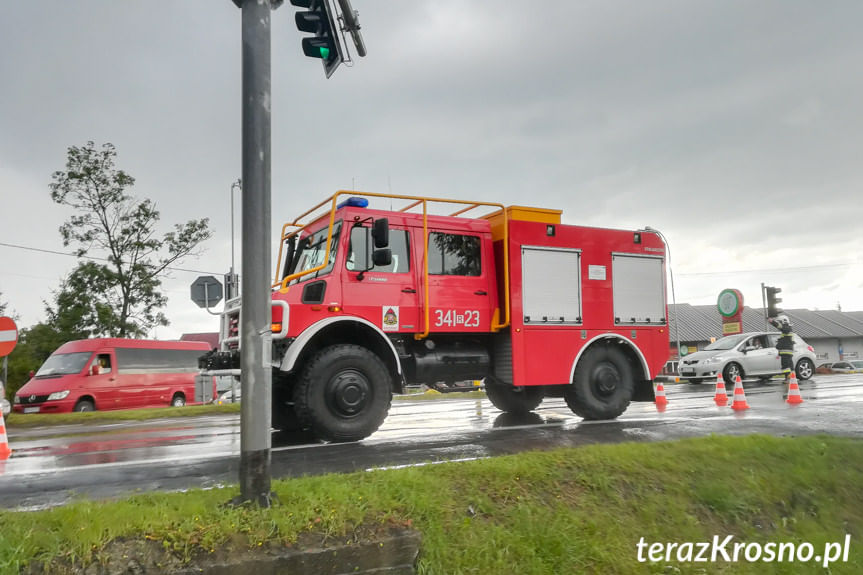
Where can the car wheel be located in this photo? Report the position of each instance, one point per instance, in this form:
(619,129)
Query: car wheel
(344,393)
(513,399)
(84,405)
(179,400)
(805,368)
(603,385)
(731,372)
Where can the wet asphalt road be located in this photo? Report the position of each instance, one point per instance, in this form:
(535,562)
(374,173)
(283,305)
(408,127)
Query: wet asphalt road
(109,460)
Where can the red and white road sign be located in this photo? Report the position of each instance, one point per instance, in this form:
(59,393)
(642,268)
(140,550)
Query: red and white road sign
(8,335)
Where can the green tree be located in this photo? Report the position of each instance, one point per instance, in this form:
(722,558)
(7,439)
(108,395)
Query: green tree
(122,297)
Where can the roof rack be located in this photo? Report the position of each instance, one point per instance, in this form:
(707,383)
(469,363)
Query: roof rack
(304,220)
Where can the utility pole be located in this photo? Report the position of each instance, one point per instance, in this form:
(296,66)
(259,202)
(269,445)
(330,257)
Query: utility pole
(255,317)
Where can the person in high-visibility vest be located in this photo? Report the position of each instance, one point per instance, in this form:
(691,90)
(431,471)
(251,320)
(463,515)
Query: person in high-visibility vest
(785,344)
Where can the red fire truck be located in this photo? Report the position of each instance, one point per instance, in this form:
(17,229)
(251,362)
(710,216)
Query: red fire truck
(366,301)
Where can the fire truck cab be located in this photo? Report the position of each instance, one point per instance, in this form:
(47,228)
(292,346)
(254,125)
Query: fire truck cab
(366,301)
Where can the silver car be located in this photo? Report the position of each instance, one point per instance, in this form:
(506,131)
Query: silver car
(748,355)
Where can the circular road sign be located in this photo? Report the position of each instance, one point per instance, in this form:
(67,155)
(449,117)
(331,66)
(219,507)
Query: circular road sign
(8,335)
(729,302)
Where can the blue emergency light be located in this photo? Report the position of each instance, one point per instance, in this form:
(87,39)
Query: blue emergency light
(354,202)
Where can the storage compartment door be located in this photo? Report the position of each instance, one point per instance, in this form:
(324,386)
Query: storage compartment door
(639,289)
(551,285)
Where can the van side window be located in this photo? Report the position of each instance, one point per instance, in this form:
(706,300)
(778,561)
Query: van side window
(359,252)
(136,360)
(103,360)
(454,255)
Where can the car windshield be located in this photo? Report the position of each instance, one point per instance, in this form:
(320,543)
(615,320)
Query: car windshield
(311,253)
(727,342)
(857,364)
(64,364)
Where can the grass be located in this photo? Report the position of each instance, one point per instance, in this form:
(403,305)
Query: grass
(564,511)
(18,420)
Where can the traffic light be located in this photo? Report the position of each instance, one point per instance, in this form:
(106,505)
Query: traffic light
(319,19)
(772,300)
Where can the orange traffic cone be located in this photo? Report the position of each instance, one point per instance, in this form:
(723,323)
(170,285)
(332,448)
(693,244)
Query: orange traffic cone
(661,401)
(794,397)
(721,398)
(5,452)
(739,403)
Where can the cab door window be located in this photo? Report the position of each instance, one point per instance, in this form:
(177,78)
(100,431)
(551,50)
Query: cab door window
(454,255)
(360,252)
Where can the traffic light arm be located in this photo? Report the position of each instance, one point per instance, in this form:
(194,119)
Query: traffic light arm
(351,19)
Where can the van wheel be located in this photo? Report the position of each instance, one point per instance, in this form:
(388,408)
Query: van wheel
(603,385)
(513,399)
(84,405)
(343,394)
(179,400)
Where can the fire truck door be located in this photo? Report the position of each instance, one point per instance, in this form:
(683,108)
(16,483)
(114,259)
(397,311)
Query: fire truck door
(387,296)
(461,293)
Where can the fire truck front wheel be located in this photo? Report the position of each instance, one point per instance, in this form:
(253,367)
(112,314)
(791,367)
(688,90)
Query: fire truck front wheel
(344,393)
(603,385)
(513,399)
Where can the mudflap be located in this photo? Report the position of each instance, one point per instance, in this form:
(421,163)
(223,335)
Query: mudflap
(643,391)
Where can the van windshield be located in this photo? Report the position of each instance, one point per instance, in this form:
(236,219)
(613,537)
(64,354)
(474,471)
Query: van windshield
(64,364)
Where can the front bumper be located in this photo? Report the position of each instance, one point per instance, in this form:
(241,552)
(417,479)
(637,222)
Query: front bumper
(59,406)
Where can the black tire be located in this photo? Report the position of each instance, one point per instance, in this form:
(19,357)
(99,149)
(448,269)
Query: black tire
(731,371)
(509,399)
(343,394)
(84,405)
(603,385)
(805,368)
(179,400)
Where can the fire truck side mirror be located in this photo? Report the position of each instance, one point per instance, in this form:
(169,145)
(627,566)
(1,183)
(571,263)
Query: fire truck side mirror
(381,232)
(382,257)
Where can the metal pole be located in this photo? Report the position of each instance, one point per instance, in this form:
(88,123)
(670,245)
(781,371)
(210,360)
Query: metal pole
(673,297)
(232,284)
(255,317)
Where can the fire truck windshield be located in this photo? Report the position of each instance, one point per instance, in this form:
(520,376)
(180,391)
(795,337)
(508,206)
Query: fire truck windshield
(311,253)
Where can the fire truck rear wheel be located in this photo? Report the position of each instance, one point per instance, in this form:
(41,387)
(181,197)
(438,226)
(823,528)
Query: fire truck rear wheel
(603,385)
(344,393)
(511,399)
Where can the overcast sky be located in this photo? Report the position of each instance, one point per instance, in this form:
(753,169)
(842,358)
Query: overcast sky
(735,128)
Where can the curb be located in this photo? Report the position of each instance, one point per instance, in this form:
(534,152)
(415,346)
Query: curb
(391,555)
